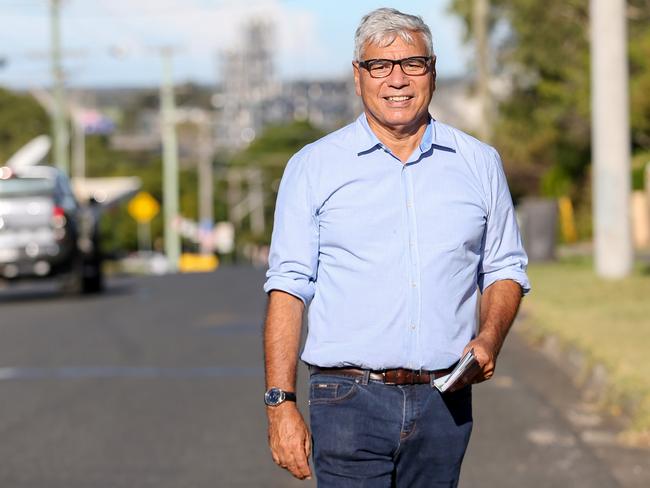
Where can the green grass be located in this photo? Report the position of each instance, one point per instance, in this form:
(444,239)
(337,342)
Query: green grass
(609,321)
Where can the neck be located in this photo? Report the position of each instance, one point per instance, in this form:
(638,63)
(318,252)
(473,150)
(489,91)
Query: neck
(402,140)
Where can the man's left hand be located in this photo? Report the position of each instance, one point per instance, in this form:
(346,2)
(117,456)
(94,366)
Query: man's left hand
(499,304)
(486,350)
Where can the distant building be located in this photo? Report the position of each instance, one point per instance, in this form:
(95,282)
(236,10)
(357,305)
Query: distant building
(326,104)
(250,96)
(248,87)
(455,104)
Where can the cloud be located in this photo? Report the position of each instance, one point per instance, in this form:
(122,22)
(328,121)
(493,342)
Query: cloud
(202,27)
(311,39)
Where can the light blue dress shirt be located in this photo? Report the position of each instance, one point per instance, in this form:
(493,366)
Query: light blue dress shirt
(390,257)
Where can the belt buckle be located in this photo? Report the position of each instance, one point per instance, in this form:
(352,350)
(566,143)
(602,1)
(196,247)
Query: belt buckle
(407,376)
(416,376)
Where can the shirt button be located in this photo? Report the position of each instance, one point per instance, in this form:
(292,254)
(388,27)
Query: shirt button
(414,285)
(412,326)
(409,204)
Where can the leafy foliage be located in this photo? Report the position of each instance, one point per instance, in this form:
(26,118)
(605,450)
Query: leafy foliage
(270,152)
(543,127)
(640,85)
(119,230)
(277,144)
(21,119)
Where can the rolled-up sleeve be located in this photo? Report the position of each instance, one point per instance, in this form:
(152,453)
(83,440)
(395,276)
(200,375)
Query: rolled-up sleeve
(504,257)
(293,258)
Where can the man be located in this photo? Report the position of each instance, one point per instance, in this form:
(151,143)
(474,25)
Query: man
(388,228)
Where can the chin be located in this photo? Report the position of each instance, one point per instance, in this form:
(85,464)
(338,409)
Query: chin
(402,121)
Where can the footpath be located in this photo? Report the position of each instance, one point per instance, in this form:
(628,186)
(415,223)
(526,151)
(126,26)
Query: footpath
(533,428)
(599,331)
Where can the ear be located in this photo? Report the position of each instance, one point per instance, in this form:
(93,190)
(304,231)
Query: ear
(433,74)
(357,78)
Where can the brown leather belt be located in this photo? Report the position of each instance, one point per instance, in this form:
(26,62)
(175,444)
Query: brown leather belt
(397,376)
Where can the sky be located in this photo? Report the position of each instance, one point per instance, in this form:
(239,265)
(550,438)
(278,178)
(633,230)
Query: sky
(115,42)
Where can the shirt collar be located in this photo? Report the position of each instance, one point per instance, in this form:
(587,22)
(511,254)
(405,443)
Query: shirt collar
(366,139)
(434,135)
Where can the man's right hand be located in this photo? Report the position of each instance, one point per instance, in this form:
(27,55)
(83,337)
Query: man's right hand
(289,439)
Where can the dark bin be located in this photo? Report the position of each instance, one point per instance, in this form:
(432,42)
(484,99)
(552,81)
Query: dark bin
(538,223)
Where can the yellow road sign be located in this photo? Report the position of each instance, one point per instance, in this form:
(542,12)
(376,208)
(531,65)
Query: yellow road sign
(143,207)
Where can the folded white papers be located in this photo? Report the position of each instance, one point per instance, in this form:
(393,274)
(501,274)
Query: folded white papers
(467,363)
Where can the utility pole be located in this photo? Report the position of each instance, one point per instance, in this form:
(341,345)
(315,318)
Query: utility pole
(59,120)
(74,111)
(78,146)
(610,139)
(480,23)
(252,204)
(206,184)
(170,160)
(202,120)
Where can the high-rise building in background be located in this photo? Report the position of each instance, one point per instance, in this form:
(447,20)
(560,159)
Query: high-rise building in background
(248,85)
(250,95)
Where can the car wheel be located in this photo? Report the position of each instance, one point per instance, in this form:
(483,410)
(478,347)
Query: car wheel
(93,277)
(73,281)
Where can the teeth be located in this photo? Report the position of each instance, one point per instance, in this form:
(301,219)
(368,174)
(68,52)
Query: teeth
(398,99)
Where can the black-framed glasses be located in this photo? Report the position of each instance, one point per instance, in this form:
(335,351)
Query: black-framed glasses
(381,68)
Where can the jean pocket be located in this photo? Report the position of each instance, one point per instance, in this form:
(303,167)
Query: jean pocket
(323,391)
(459,404)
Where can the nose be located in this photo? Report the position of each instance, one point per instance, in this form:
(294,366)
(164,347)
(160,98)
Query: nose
(397,78)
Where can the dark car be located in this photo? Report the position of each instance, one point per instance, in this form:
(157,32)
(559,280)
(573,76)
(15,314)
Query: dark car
(44,232)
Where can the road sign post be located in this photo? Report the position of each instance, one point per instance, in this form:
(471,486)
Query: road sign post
(143,207)
(144,236)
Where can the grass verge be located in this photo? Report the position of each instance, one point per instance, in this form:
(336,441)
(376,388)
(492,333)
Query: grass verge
(607,321)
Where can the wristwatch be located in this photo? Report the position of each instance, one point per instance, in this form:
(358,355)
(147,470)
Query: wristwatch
(275,396)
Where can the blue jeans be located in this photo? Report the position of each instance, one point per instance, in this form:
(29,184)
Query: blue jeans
(367,434)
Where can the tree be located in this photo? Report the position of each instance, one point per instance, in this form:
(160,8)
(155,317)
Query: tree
(21,119)
(119,230)
(270,152)
(543,127)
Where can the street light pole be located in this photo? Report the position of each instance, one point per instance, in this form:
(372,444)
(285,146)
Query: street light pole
(610,139)
(170,160)
(60,127)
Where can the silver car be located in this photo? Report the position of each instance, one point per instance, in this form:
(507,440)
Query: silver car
(44,232)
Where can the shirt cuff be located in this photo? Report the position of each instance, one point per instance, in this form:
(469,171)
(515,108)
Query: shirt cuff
(301,289)
(517,275)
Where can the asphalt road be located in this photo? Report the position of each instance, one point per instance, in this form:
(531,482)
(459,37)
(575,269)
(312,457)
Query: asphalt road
(158,383)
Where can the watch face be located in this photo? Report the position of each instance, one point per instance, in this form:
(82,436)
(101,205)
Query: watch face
(274,396)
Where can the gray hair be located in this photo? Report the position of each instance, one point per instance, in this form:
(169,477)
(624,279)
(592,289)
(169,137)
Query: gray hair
(383,25)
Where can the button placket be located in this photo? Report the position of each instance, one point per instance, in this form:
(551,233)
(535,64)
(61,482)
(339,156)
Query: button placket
(413,270)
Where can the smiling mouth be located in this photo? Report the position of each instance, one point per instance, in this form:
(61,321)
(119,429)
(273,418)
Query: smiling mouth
(402,98)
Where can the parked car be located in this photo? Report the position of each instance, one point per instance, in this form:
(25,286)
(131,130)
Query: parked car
(45,232)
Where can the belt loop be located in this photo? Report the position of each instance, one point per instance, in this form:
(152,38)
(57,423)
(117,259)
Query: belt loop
(366,377)
(432,379)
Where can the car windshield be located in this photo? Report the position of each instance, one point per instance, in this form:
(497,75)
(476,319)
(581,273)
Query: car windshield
(21,187)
